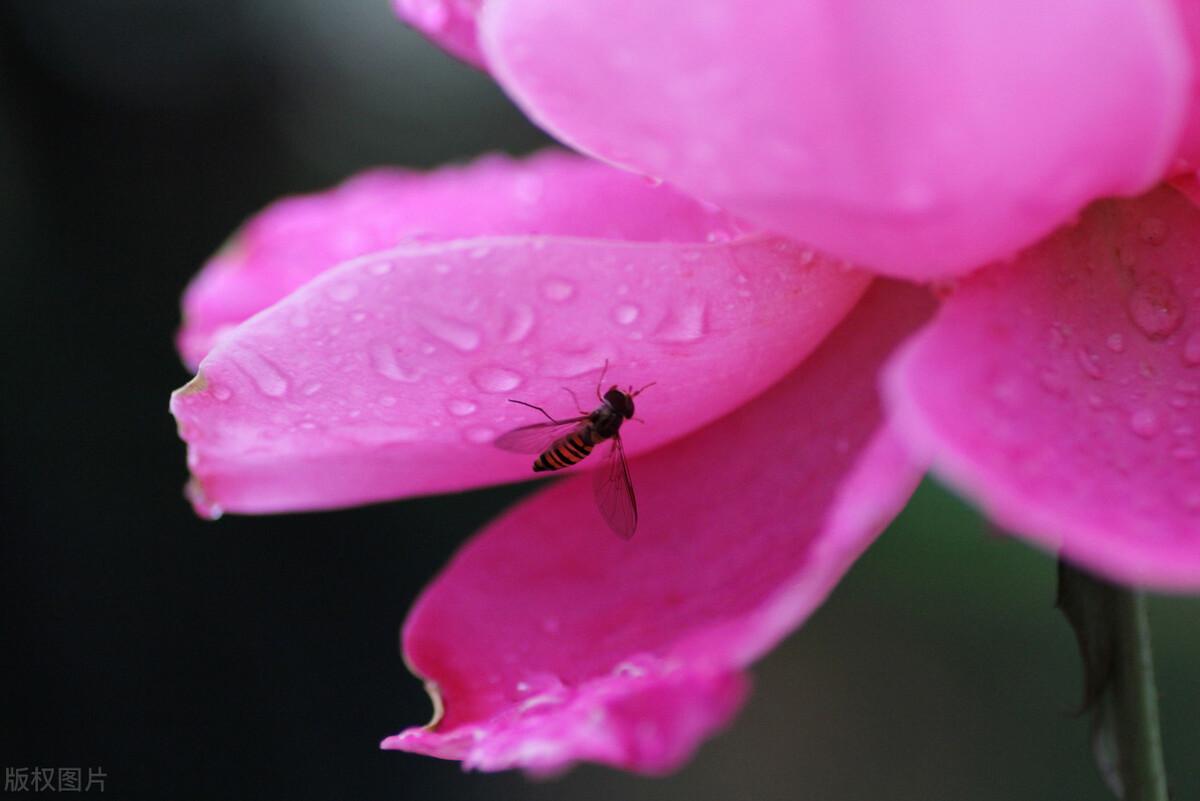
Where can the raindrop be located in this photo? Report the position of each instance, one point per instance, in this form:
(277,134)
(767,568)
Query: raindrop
(383,359)
(204,506)
(479,252)
(358,316)
(684,323)
(452,332)
(221,393)
(1052,382)
(1089,362)
(1153,231)
(1155,307)
(479,435)
(496,379)
(299,319)
(461,408)
(264,374)
(557,289)
(311,388)
(387,400)
(1191,350)
(379,267)
(1144,423)
(343,292)
(1185,453)
(625,314)
(519,324)
(441,268)
(1115,343)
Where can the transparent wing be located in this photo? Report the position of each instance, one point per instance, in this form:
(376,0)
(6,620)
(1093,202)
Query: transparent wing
(614,491)
(537,437)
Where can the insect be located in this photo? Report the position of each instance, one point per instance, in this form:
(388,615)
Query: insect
(562,443)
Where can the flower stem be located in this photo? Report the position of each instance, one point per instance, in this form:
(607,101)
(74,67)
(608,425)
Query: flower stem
(1136,699)
(1111,625)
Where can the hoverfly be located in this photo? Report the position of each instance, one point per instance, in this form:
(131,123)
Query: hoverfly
(562,443)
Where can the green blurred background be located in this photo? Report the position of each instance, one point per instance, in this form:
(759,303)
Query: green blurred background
(257,657)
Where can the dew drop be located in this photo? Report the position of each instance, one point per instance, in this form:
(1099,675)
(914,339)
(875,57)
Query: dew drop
(518,324)
(1185,453)
(1115,343)
(683,324)
(204,506)
(266,377)
(479,252)
(379,267)
(387,400)
(452,332)
(557,289)
(358,316)
(1089,362)
(343,292)
(1153,231)
(441,268)
(1155,307)
(1144,423)
(383,359)
(625,314)
(461,408)
(479,435)
(1052,382)
(311,388)
(1191,350)
(496,379)
(299,319)
(222,393)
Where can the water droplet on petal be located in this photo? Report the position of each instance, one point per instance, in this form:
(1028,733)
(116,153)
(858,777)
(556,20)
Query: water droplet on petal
(441,268)
(1052,382)
(496,379)
(1144,423)
(387,400)
(1185,453)
(265,375)
(625,314)
(1089,362)
(479,252)
(204,506)
(557,289)
(1191,350)
(479,435)
(222,393)
(1115,343)
(383,359)
(454,333)
(1155,307)
(518,325)
(311,388)
(683,323)
(379,267)
(1153,231)
(343,292)
(461,408)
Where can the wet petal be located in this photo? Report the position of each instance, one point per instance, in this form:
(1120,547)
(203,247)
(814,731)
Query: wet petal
(298,238)
(921,139)
(548,640)
(1062,391)
(389,375)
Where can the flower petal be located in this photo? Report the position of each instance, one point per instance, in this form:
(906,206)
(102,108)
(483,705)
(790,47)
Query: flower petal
(1062,391)
(921,139)
(298,238)
(548,640)
(449,23)
(389,375)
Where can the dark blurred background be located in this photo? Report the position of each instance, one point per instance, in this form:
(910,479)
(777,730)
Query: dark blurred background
(257,657)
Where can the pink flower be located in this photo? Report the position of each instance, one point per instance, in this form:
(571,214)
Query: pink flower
(360,345)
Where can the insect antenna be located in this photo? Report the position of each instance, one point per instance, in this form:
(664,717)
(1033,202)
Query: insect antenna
(531,406)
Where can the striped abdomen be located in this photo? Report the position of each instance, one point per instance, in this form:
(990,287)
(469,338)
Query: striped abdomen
(568,450)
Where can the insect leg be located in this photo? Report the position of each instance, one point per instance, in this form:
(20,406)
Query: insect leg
(575,398)
(600,381)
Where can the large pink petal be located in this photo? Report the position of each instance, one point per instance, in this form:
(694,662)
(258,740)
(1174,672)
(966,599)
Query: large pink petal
(557,193)
(548,640)
(1062,391)
(920,138)
(388,375)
